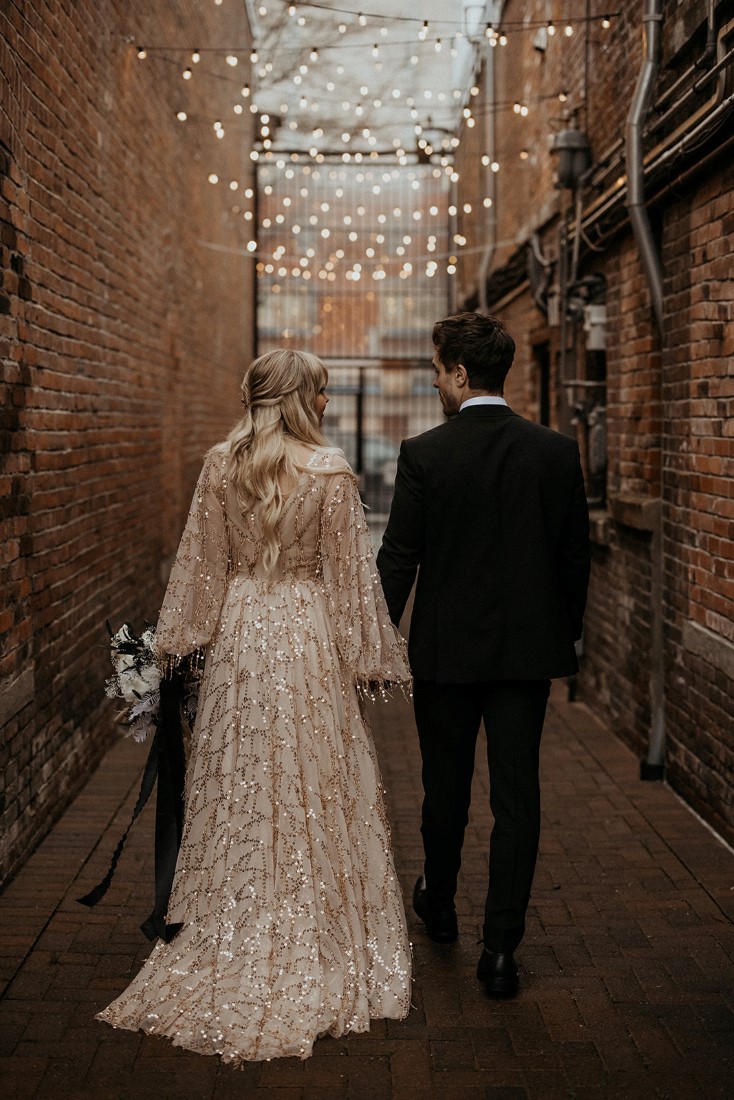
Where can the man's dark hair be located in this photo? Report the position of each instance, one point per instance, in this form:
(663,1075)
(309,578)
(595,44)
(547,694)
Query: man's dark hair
(482,344)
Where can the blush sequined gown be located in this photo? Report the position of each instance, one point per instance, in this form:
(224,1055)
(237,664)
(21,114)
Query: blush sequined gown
(293,922)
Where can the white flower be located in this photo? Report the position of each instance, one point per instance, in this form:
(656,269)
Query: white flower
(136,683)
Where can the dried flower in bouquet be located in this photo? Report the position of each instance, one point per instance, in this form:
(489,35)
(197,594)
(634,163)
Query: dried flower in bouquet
(136,679)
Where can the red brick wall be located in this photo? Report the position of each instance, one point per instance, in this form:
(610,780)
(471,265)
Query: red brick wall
(698,396)
(663,573)
(125,323)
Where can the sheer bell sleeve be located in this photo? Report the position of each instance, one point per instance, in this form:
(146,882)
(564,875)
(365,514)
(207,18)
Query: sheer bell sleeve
(195,591)
(370,648)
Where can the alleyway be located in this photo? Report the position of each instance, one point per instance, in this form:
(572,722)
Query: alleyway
(627,968)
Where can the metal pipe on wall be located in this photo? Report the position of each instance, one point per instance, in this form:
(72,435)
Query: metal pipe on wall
(641,100)
(653,766)
(490,122)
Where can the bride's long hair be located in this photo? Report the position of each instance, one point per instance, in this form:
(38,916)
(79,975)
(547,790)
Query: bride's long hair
(279,392)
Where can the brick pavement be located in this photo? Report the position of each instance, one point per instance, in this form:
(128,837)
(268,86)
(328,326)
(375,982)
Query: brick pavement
(627,968)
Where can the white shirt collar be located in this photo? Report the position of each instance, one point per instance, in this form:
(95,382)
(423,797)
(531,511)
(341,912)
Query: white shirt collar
(488,400)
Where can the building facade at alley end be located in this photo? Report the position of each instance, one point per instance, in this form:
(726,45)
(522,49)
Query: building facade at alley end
(592,210)
(607,251)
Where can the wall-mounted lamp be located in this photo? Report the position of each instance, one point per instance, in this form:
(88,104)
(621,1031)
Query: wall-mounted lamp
(573,157)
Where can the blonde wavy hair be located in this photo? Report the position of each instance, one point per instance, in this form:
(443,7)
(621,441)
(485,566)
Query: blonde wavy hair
(279,392)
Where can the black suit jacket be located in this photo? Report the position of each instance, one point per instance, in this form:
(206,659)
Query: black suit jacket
(490,510)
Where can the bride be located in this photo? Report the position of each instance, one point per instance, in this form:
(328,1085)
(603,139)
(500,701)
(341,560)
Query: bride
(292,919)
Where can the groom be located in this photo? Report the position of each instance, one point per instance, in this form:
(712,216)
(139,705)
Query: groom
(490,511)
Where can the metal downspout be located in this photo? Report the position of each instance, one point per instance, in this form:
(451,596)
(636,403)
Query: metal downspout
(490,118)
(641,101)
(654,765)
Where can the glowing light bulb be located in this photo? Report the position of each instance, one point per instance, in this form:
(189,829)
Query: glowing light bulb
(551,29)
(606,22)
(231,59)
(186,74)
(142,53)
(182,116)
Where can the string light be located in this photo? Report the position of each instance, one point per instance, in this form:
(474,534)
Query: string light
(384,256)
(186,74)
(142,53)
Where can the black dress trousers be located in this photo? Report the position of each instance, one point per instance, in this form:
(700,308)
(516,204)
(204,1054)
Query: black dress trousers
(448,717)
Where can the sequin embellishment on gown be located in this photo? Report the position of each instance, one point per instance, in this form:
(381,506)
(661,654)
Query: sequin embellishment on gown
(293,922)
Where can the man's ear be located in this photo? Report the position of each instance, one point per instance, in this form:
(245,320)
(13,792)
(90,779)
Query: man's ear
(462,378)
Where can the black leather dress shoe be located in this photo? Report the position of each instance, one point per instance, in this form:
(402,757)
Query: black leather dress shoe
(498,972)
(440,922)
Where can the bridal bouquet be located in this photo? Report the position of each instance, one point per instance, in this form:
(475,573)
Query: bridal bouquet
(136,679)
(139,669)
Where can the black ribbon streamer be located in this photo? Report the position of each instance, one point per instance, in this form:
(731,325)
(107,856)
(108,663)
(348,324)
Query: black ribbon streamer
(166,763)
